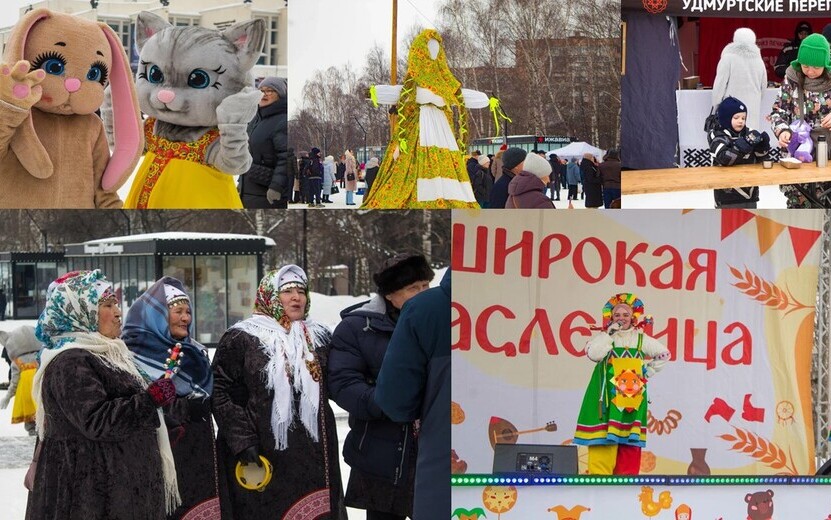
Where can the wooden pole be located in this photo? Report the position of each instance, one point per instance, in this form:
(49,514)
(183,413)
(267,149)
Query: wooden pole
(394,61)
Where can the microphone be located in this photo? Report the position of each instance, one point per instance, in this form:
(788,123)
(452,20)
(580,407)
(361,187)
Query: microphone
(620,324)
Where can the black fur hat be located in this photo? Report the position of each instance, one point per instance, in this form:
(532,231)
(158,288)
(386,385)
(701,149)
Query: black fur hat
(400,271)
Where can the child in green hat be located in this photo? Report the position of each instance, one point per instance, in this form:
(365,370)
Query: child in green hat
(803,96)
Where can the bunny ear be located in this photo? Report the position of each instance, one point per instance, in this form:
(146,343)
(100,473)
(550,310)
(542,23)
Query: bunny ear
(25,143)
(249,38)
(129,139)
(147,25)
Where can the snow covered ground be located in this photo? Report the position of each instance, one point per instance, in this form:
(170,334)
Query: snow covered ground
(769,198)
(16,447)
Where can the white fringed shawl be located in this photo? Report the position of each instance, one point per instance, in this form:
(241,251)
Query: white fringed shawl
(288,351)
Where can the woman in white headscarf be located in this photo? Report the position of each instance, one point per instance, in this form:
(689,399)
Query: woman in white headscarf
(104,450)
(741,74)
(270,403)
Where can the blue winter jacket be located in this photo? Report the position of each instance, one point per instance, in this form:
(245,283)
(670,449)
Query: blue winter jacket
(414,383)
(375,445)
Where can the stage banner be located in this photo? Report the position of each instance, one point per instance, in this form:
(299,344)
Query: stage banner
(732,294)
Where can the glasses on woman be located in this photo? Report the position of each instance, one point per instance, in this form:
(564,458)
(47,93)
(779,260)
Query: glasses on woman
(267,91)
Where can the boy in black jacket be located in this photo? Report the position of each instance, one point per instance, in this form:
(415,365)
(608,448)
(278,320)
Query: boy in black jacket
(734,143)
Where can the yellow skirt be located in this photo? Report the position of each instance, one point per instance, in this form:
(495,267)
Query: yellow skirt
(426,178)
(24,405)
(184,185)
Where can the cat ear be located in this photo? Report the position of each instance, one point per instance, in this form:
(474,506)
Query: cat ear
(148,24)
(249,38)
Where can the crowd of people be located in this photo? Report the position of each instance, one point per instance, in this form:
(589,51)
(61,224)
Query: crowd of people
(125,414)
(514,178)
(314,179)
(799,118)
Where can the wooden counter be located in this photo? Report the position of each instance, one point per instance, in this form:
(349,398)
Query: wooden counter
(635,182)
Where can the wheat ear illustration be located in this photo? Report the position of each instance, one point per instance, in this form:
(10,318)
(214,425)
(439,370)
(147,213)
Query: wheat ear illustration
(765,292)
(761,449)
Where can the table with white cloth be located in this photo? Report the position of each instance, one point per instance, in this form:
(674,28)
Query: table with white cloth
(693,108)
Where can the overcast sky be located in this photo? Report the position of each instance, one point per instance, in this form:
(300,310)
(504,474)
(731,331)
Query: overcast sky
(325,33)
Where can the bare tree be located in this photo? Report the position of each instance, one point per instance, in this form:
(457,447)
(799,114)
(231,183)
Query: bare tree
(554,65)
(361,240)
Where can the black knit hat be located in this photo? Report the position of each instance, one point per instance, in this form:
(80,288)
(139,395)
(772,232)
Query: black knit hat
(729,107)
(512,157)
(400,271)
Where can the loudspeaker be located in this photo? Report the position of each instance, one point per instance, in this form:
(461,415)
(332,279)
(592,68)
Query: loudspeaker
(535,458)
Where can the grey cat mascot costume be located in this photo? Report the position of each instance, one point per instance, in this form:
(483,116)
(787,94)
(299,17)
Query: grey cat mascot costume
(194,83)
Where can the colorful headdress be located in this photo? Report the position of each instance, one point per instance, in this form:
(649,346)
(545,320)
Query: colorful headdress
(435,75)
(626,299)
(72,306)
(268,293)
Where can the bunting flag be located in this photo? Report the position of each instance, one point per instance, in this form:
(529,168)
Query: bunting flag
(733,219)
(767,232)
(802,240)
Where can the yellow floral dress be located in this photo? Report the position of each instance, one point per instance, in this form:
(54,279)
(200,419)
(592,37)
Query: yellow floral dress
(173,175)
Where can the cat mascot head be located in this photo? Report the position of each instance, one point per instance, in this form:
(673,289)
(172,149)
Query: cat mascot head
(185,72)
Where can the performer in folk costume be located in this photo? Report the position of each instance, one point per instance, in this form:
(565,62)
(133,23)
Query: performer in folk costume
(271,406)
(158,322)
(23,348)
(612,420)
(424,166)
(104,447)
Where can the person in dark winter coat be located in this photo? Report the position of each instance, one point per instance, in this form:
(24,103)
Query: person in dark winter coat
(293,174)
(303,184)
(371,172)
(610,177)
(472,164)
(527,189)
(734,143)
(340,171)
(592,184)
(556,177)
(381,452)
(104,452)
(159,319)
(572,178)
(512,161)
(791,48)
(268,144)
(270,403)
(314,178)
(482,181)
(414,383)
